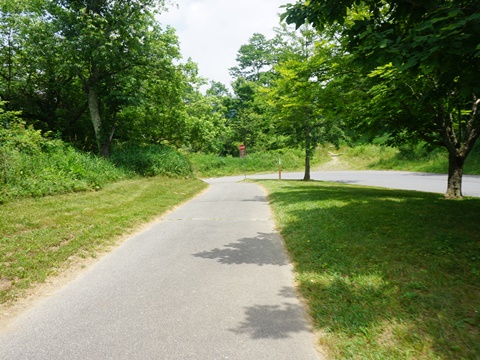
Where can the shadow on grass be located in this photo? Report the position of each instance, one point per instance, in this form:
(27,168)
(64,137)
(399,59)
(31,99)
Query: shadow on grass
(386,273)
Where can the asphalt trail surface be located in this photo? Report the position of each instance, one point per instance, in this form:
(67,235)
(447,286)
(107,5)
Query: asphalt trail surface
(210,280)
(416,181)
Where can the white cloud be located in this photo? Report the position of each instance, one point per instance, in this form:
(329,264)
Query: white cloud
(212,31)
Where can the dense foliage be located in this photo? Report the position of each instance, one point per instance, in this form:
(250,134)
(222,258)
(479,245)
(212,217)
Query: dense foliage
(34,165)
(100,74)
(422,58)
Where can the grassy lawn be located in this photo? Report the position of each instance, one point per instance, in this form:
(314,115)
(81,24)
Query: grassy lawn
(40,236)
(387,274)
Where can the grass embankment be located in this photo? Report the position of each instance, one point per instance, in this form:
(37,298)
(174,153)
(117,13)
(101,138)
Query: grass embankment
(405,158)
(205,165)
(34,166)
(92,202)
(360,157)
(387,274)
(50,167)
(40,236)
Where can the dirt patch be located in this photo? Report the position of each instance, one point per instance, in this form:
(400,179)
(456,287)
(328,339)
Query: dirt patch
(334,164)
(5,284)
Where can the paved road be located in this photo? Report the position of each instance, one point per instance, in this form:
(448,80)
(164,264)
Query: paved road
(427,182)
(208,281)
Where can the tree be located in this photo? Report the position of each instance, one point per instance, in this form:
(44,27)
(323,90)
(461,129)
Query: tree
(254,59)
(298,95)
(14,69)
(430,47)
(145,104)
(103,42)
(35,78)
(205,114)
(248,117)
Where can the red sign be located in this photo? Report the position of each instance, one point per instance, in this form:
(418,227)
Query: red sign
(242,147)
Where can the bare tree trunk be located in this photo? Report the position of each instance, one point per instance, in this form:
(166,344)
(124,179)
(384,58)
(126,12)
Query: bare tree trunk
(455,173)
(107,144)
(95,115)
(306,177)
(459,146)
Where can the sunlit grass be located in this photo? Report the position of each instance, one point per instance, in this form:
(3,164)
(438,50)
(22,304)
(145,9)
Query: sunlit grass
(387,274)
(39,236)
(208,165)
(407,158)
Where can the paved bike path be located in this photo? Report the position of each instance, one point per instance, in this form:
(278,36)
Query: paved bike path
(208,281)
(405,180)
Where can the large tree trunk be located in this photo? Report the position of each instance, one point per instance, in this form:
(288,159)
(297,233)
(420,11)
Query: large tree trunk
(455,173)
(105,150)
(107,145)
(459,144)
(95,115)
(103,143)
(90,88)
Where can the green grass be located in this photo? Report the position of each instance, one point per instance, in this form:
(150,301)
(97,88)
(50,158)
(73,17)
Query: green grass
(39,236)
(406,158)
(387,274)
(58,170)
(360,157)
(151,160)
(32,165)
(207,165)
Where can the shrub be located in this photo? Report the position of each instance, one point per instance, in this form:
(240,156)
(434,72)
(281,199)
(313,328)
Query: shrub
(151,160)
(33,165)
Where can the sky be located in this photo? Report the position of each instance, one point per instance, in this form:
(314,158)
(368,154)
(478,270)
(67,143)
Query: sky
(211,31)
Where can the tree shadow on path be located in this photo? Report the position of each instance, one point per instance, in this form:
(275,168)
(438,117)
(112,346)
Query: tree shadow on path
(264,249)
(272,321)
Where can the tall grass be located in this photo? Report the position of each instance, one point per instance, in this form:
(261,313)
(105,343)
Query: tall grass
(207,165)
(407,158)
(152,160)
(33,166)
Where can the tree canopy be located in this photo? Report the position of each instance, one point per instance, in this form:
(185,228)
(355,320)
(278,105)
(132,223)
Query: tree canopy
(429,50)
(99,72)
(93,72)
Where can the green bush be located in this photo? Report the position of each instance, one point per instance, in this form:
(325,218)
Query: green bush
(152,160)
(32,165)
